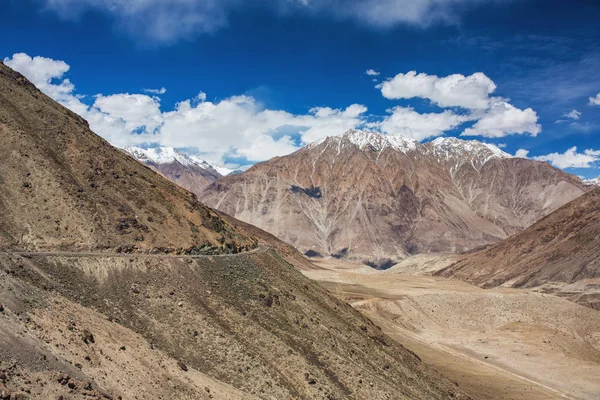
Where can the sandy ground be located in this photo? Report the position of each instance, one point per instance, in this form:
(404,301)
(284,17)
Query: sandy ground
(495,344)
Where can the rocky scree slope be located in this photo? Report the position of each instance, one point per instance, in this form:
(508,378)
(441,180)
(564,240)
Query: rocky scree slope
(373,196)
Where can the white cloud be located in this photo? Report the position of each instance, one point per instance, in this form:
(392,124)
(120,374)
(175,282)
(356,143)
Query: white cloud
(407,122)
(573,115)
(572,159)
(137,111)
(595,101)
(201,97)
(494,115)
(161,21)
(504,119)
(236,126)
(325,121)
(41,72)
(372,72)
(156,91)
(388,13)
(165,21)
(522,153)
(471,92)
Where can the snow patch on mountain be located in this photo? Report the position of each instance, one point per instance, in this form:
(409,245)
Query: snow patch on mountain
(168,155)
(369,140)
(378,141)
(465,151)
(451,149)
(592,182)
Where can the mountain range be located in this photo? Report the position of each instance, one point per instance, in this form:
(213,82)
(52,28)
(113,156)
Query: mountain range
(116,283)
(188,171)
(377,198)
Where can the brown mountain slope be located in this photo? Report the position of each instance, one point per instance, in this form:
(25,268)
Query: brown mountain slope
(65,187)
(373,197)
(190,173)
(192,179)
(250,322)
(561,249)
(148,326)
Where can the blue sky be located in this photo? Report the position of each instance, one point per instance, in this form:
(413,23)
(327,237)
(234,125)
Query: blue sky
(246,81)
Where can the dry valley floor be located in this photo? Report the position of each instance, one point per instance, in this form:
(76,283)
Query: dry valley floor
(495,344)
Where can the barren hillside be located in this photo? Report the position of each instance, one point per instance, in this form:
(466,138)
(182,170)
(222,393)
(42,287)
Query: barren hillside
(560,253)
(79,318)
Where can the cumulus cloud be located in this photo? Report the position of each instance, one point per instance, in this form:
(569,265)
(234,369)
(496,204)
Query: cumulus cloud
(156,91)
(504,119)
(522,153)
(240,127)
(372,72)
(325,121)
(595,101)
(471,92)
(165,21)
(407,122)
(42,71)
(495,116)
(137,111)
(233,127)
(572,159)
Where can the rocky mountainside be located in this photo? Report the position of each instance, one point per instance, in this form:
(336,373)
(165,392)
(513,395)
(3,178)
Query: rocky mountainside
(189,172)
(168,323)
(63,187)
(374,197)
(560,253)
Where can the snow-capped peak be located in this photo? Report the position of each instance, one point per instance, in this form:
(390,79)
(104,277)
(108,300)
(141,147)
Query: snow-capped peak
(460,151)
(452,144)
(592,182)
(224,171)
(379,141)
(167,155)
(373,140)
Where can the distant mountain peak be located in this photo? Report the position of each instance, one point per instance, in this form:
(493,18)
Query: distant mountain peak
(455,150)
(592,182)
(370,140)
(460,151)
(168,155)
(379,141)
(452,144)
(190,172)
